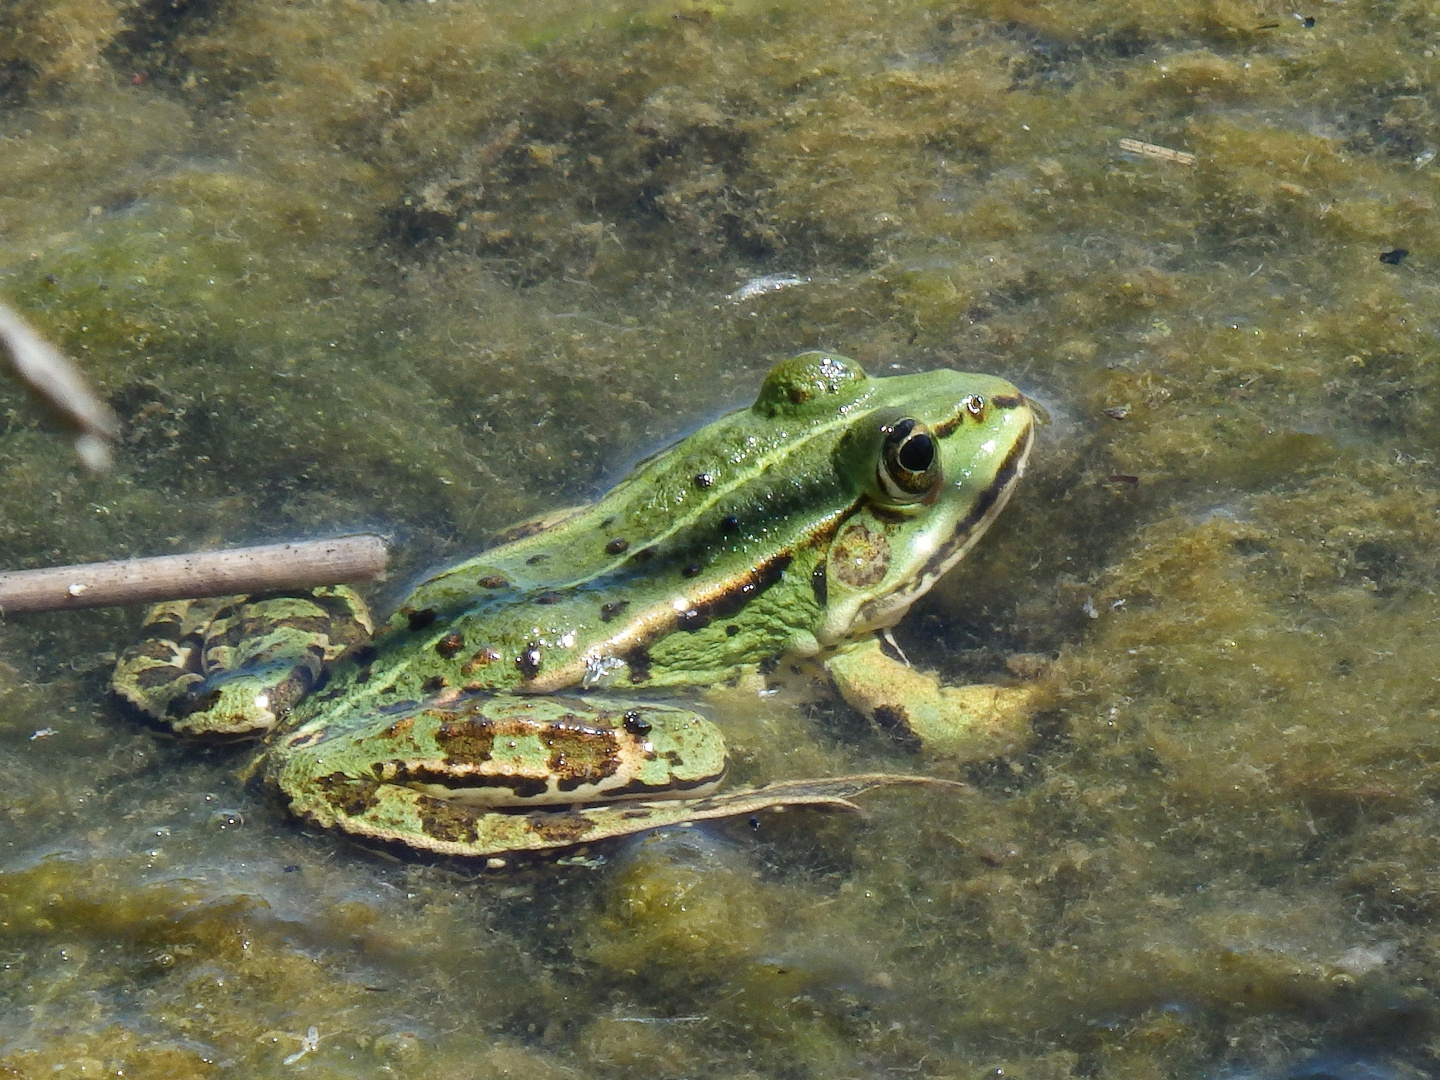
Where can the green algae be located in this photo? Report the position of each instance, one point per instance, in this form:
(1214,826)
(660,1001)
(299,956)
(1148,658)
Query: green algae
(436,267)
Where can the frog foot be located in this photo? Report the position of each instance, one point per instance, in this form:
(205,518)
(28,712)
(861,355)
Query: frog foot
(233,666)
(966,723)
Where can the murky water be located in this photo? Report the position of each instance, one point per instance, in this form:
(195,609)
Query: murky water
(433,267)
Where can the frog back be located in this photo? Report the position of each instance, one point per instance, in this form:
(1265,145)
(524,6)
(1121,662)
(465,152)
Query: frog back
(709,555)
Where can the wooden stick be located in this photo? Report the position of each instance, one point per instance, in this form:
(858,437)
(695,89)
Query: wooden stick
(269,567)
(1159,153)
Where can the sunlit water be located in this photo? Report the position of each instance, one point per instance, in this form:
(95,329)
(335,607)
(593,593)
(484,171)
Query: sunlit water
(430,268)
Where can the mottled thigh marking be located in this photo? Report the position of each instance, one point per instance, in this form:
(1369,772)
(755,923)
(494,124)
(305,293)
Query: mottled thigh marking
(235,665)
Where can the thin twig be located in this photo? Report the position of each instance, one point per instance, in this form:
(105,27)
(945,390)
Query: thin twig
(1159,153)
(53,377)
(266,568)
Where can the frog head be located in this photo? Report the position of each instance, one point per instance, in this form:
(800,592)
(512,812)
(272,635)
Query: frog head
(933,459)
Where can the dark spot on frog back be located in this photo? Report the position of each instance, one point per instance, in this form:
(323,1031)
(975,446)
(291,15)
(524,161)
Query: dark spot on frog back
(401,728)
(482,658)
(638,662)
(529,661)
(520,531)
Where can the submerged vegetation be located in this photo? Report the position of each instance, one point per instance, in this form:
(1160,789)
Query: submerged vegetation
(434,267)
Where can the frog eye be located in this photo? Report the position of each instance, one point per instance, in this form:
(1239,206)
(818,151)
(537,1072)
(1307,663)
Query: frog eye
(909,467)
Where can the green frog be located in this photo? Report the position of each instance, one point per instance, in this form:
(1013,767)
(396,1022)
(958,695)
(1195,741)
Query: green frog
(803,526)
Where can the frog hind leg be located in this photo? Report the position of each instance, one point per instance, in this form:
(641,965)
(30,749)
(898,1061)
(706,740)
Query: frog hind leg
(388,814)
(966,723)
(379,778)
(233,666)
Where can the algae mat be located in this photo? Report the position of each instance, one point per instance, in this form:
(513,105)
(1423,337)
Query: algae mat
(432,267)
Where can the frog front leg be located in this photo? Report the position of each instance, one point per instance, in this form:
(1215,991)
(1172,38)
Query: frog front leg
(967,723)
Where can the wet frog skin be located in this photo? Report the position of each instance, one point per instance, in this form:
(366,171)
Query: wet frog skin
(797,527)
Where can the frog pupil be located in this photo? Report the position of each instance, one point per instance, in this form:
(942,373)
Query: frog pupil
(917,452)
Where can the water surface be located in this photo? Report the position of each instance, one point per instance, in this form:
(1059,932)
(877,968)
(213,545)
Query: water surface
(430,268)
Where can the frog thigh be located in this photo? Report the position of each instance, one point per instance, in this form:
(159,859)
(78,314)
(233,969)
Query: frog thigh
(232,666)
(468,773)
(967,723)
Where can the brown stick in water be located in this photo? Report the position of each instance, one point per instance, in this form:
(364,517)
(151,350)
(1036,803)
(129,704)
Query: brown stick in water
(269,567)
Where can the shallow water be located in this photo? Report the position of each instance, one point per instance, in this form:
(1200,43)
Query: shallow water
(430,268)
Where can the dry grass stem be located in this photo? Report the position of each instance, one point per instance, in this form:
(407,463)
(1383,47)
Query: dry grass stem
(1159,153)
(53,377)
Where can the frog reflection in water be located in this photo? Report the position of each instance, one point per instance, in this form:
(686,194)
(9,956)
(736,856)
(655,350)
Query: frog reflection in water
(799,527)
